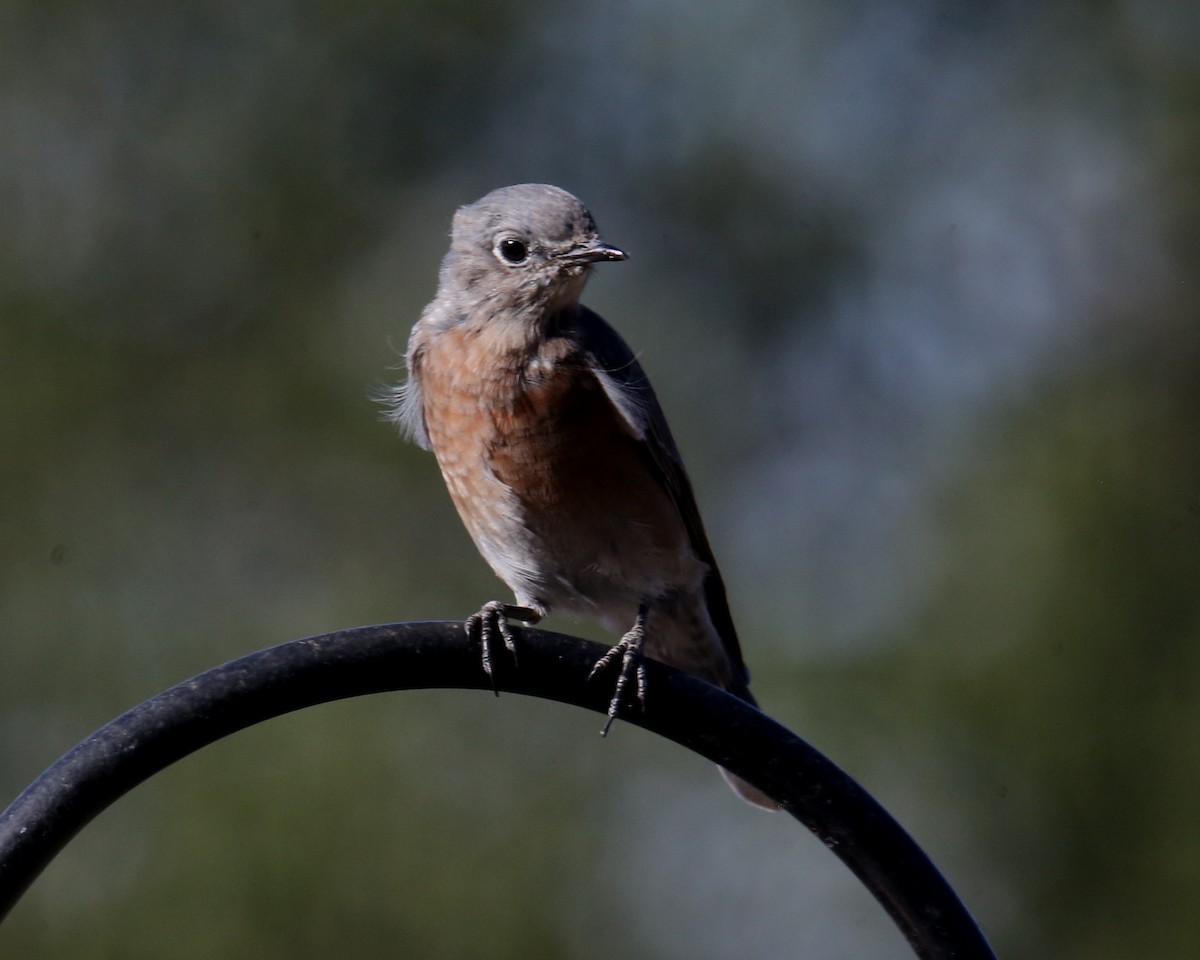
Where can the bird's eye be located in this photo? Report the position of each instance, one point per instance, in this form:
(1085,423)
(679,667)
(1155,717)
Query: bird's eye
(512,250)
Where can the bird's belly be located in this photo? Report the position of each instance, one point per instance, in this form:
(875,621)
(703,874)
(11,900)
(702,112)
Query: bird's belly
(558,496)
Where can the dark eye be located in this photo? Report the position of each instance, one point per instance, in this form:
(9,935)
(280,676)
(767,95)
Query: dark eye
(512,250)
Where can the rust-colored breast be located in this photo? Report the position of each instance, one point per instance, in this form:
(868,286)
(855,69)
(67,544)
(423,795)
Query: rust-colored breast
(545,473)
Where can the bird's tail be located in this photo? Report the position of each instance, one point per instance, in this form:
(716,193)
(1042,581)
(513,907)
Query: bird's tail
(748,792)
(672,638)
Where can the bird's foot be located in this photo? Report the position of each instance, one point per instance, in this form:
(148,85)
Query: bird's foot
(629,652)
(492,621)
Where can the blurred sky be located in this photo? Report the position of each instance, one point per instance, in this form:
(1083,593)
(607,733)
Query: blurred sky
(917,287)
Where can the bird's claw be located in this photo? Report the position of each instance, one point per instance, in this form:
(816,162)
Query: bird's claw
(629,652)
(492,620)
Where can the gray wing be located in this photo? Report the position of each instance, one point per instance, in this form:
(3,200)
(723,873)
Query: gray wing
(407,409)
(406,406)
(628,389)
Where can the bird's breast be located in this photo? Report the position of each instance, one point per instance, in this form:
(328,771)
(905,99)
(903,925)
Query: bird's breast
(546,474)
(533,420)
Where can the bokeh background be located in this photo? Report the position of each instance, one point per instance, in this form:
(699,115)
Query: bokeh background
(919,288)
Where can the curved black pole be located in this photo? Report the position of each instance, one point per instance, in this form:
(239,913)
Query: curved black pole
(404,656)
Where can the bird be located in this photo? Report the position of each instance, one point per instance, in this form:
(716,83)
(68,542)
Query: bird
(556,452)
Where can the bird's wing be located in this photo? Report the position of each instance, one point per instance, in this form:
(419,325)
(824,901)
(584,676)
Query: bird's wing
(628,389)
(406,406)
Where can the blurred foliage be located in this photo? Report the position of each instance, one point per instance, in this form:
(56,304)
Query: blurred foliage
(917,285)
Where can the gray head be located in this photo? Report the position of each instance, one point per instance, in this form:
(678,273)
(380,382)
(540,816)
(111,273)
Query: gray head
(527,245)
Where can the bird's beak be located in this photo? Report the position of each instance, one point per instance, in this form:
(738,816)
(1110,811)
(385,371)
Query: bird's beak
(592,251)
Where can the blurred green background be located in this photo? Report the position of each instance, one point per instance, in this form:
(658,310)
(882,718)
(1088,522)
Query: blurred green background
(918,287)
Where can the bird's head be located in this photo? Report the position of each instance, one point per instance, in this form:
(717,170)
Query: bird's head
(527,248)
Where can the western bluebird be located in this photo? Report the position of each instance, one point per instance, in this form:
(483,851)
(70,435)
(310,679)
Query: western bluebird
(555,450)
